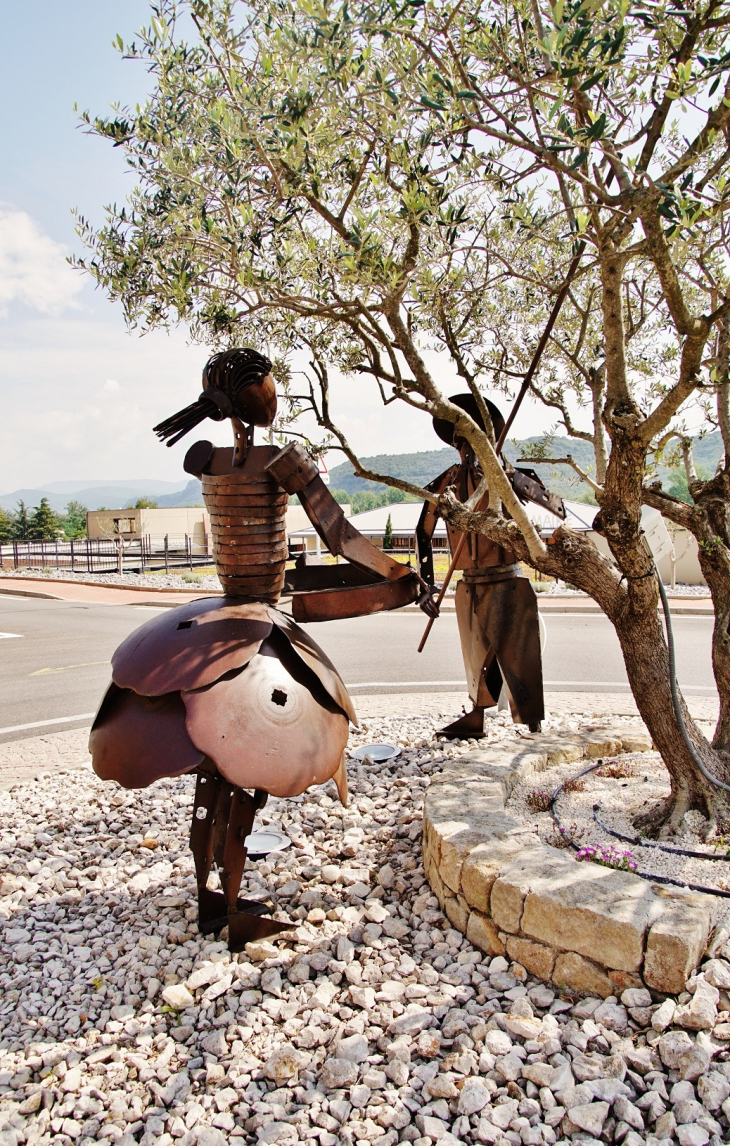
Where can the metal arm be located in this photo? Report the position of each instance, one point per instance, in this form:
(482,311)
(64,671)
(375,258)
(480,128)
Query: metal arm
(427,524)
(393,584)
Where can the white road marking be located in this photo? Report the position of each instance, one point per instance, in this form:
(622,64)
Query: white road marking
(45,723)
(7,636)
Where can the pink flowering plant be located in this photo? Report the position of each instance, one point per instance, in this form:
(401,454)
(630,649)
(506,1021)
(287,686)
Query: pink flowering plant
(607,857)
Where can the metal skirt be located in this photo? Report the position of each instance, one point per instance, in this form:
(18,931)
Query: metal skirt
(235,682)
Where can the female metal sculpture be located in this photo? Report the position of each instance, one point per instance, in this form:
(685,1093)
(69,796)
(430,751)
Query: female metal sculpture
(230,687)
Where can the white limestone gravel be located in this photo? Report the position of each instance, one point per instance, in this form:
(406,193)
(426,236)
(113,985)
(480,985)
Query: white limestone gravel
(183,580)
(376,1022)
(624,786)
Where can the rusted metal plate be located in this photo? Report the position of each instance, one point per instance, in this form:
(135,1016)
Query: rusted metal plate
(263,728)
(257,457)
(499,621)
(256,589)
(136,740)
(315,659)
(243,568)
(234,528)
(190,646)
(355,600)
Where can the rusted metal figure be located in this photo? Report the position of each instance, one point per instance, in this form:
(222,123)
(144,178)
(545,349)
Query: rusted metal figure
(232,688)
(496,607)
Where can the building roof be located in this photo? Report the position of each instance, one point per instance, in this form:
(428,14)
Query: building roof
(404,518)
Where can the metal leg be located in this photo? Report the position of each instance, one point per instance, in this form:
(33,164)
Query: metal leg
(223,816)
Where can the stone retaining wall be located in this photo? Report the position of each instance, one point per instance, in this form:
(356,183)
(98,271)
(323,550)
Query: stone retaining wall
(578,925)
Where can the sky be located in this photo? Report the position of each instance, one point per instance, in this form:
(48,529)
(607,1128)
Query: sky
(78,392)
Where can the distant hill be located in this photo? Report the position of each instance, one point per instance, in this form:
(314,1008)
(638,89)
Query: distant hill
(112,494)
(422,467)
(192,494)
(419,468)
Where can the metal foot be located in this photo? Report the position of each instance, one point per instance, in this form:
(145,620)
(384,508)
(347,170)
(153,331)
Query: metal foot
(467,727)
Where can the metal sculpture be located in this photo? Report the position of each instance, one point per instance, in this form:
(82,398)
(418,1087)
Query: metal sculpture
(232,688)
(496,607)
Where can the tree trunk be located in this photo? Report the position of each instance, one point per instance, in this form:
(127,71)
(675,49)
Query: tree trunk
(646,657)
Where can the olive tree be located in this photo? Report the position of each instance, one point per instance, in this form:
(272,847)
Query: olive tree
(368,181)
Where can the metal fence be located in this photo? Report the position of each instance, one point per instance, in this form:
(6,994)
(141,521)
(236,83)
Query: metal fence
(107,555)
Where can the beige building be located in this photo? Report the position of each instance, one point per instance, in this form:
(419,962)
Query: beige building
(175,524)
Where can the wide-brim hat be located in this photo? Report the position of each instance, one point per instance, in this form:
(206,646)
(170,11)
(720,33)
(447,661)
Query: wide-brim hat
(467,403)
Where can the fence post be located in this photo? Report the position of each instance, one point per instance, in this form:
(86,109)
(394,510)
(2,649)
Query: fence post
(167,548)
(72,554)
(88,557)
(15,554)
(189,551)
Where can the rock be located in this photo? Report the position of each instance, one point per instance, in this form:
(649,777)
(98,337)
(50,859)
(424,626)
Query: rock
(579,974)
(498,1042)
(212,1137)
(177,995)
(338,1072)
(474,1097)
(487,1132)
(215,1043)
(700,1013)
(524,1028)
(626,1112)
(430,1127)
(363,997)
(717,972)
(538,1072)
(675,943)
(612,1015)
(386,876)
(663,1015)
(590,1117)
(509,1066)
(428,1044)
(713,1088)
(693,1062)
(442,1086)
(270,1133)
(284,1064)
(352,1049)
(671,1045)
(397,1072)
(411,1023)
(692,1135)
(665,1125)
(14,935)
(681,1091)
(687,1110)
(261,949)
(395,928)
(323,995)
(636,997)
(271,982)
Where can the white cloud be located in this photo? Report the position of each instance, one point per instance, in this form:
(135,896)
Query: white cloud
(111,384)
(33,267)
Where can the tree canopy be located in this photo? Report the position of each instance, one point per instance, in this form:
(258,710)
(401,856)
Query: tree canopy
(368,182)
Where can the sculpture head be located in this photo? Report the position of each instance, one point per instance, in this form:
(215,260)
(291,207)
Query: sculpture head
(242,386)
(237,384)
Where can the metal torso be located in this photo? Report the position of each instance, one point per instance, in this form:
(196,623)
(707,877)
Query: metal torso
(247,508)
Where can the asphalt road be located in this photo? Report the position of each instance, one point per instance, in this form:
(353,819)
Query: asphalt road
(54,657)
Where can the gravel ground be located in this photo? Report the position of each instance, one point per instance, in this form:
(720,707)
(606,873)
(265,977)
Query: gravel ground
(187,580)
(375,1022)
(210,581)
(623,787)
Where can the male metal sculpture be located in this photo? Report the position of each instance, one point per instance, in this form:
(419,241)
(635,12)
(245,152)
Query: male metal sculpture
(496,607)
(230,687)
